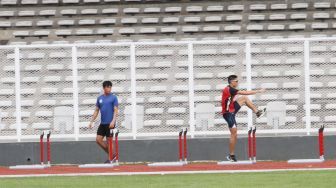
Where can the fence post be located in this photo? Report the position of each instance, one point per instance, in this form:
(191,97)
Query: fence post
(18,93)
(191,90)
(75,90)
(248,59)
(307,85)
(133,91)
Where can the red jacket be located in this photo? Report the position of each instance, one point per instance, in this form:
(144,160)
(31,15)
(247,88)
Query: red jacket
(228,99)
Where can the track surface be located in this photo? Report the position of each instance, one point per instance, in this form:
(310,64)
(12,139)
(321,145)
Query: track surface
(190,168)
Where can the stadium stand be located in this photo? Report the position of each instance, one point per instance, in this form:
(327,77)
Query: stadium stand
(71,21)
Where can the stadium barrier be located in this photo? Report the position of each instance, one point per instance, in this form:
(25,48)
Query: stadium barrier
(183,152)
(321,150)
(42,165)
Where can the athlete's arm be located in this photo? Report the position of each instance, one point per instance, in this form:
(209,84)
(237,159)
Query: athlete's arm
(94,116)
(251,92)
(115,115)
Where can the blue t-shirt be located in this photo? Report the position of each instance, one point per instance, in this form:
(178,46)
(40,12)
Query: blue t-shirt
(106,106)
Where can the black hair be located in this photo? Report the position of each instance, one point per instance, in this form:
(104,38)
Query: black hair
(107,84)
(232,77)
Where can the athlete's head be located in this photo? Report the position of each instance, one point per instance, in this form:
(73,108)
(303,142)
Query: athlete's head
(233,80)
(107,86)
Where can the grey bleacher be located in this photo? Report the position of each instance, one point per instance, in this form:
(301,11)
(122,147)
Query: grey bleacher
(74,20)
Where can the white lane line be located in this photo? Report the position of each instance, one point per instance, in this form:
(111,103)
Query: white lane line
(165,172)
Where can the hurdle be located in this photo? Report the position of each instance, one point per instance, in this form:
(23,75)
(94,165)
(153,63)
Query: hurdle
(113,133)
(252,150)
(41,165)
(321,150)
(183,152)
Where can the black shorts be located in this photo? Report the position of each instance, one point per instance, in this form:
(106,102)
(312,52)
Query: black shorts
(104,130)
(230,117)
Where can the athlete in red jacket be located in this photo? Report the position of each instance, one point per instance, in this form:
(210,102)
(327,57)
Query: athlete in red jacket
(231,104)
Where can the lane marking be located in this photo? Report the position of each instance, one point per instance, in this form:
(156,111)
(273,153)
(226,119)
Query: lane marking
(164,172)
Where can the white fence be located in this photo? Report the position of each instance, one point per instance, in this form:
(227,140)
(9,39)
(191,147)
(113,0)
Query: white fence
(161,84)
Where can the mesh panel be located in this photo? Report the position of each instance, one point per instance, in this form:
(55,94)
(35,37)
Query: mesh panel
(45,86)
(323,83)
(279,67)
(213,63)
(7,93)
(162,86)
(96,64)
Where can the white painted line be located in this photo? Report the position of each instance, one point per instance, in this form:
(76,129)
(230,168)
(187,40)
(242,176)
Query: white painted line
(163,164)
(235,163)
(107,165)
(20,167)
(300,161)
(165,172)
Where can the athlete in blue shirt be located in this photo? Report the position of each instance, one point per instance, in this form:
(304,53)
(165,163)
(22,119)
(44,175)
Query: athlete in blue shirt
(107,104)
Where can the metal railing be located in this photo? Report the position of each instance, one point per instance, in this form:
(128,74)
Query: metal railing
(160,84)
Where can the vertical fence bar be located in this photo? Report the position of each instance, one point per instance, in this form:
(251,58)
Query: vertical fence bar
(75,91)
(191,90)
(248,79)
(133,91)
(18,93)
(307,85)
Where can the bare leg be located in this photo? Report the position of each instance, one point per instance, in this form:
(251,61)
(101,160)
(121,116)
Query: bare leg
(244,100)
(233,140)
(101,143)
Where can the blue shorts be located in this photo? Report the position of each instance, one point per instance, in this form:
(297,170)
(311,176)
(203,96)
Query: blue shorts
(230,117)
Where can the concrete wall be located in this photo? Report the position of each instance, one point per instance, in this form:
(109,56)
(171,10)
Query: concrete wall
(268,148)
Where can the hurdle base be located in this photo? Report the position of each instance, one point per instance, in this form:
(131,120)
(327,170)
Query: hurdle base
(296,161)
(22,167)
(249,162)
(105,165)
(162,164)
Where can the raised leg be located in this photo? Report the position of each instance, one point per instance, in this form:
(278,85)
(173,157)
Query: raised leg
(244,100)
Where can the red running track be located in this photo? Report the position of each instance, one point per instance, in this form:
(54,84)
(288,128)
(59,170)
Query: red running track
(71,169)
